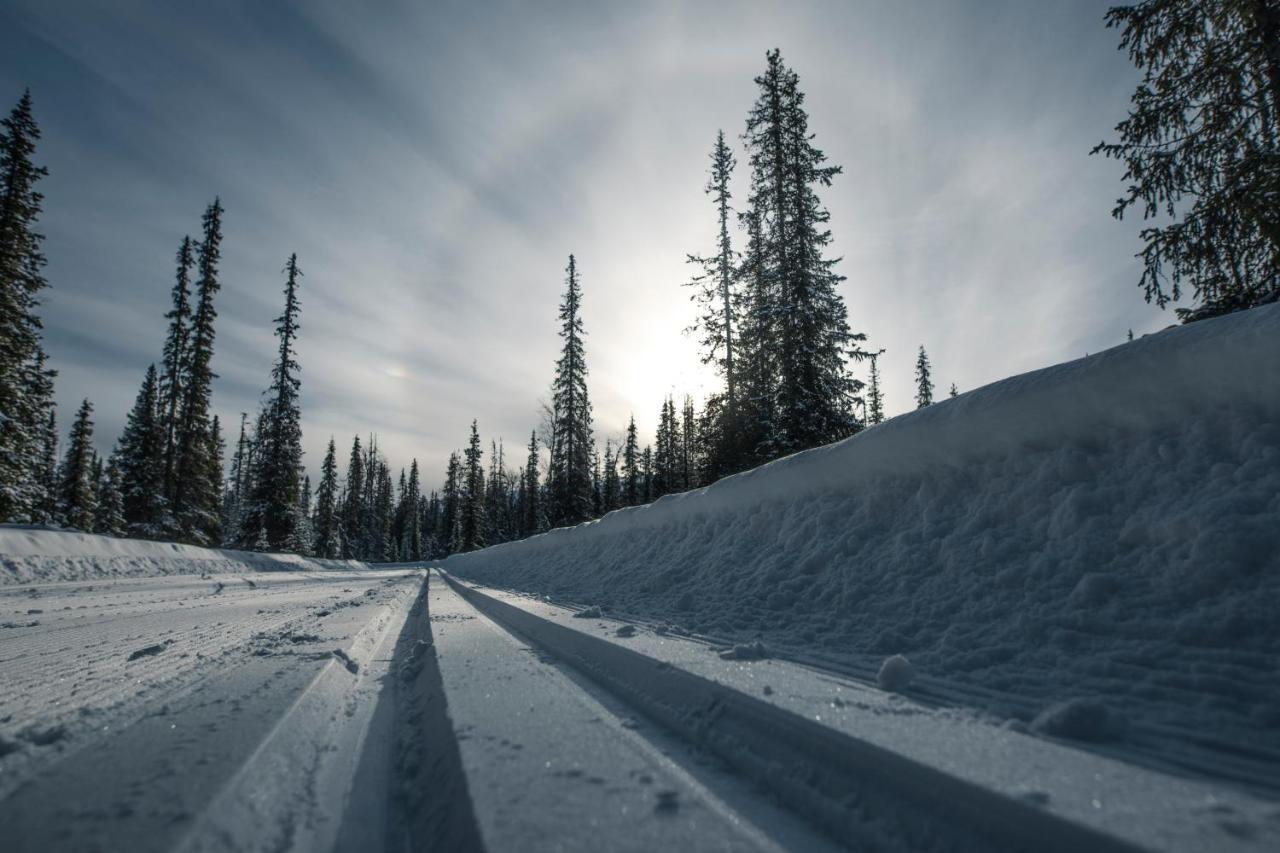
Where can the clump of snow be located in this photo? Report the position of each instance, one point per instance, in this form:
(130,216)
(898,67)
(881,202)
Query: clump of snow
(1080,719)
(38,554)
(895,673)
(1103,527)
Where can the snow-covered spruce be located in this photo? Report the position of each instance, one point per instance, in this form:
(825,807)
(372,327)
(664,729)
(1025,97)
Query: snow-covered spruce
(1104,527)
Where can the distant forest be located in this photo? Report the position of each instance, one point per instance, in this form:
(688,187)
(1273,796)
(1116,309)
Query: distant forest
(1203,166)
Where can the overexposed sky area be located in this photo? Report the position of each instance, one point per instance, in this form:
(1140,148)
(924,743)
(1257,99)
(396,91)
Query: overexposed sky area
(434,164)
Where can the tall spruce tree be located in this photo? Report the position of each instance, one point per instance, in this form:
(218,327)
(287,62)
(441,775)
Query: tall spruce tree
(954,391)
(26,386)
(569,480)
(274,504)
(531,515)
(632,482)
(352,502)
(611,486)
(1201,145)
(108,518)
(412,547)
(140,456)
(807,322)
(195,508)
(328,541)
(717,295)
(449,531)
(176,352)
(46,508)
(473,532)
(924,380)
(77,490)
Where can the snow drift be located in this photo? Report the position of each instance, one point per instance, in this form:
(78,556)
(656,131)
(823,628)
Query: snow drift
(39,554)
(1105,527)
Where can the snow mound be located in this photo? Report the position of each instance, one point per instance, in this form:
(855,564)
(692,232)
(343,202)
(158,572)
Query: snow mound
(31,554)
(1104,527)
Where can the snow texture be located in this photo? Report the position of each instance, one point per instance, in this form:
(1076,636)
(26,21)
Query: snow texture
(1104,527)
(33,554)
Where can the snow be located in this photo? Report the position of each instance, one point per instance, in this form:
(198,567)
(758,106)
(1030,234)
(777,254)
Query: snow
(1103,528)
(30,554)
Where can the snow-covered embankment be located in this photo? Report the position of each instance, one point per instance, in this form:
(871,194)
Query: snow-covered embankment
(1105,527)
(37,554)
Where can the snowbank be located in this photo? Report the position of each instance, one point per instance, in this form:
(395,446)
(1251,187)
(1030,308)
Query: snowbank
(1106,527)
(39,554)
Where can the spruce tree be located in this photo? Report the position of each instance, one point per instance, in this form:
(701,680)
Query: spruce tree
(954,392)
(449,531)
(690,463)
(647,491)
(531,503)
(875,397)
(413,516)
(611,488)
(273,506)
(195,509)
(77,488)
(140,458)
(569,480)
(719,302)
(924,381)
(473,532)
(808,327)
(176,345)
(109,512)
(352,498)
(328,542)
(1201,146)
(632,482)
(26,387)
(46,508)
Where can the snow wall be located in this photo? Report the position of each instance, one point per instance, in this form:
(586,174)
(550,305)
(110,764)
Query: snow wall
(1105,527)
(40,554)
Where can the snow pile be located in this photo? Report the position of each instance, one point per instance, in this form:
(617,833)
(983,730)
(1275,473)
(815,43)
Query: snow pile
(1108,527)
(39,554)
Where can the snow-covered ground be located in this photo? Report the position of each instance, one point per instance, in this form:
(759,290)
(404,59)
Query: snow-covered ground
(39,554)
(1106,528)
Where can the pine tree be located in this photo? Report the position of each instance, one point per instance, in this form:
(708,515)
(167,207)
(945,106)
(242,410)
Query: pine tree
(611,487)
(531,518)
(648,493)
(1201,145)
(690,462)
(140,458)
(212,481)
(176,345)
(46,508)
(719,302)
(273,506)
(807,322)
(26,387)
(632,483)
(875,397)
(413,516)
(109,512)
(569,480)
(924,382)
(352,511)
(450,530)
(77,488)
(954,392)
(195,509)
(473,495)
(328,541)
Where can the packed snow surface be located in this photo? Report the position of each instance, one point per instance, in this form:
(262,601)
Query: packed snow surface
(42,555)
(1102,529)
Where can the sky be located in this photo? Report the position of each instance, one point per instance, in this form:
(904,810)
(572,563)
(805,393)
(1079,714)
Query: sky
(434,164)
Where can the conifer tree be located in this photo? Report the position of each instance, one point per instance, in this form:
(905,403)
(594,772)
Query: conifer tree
(273,506)
(531,504)
(875,397)
(648,493)
(412,549)
(632,482)
(140,459)
(808,327)
(212,482)
(176,345)
(611,487)
(328,541)
(954,392)
(719,301)
(26,386)
(46,508)
(195,509)
(1201,144)
(450,530)
(569,480)
(352,514)
(924,382)
(473,495)
(690,464)
(77,487)
(109,512)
